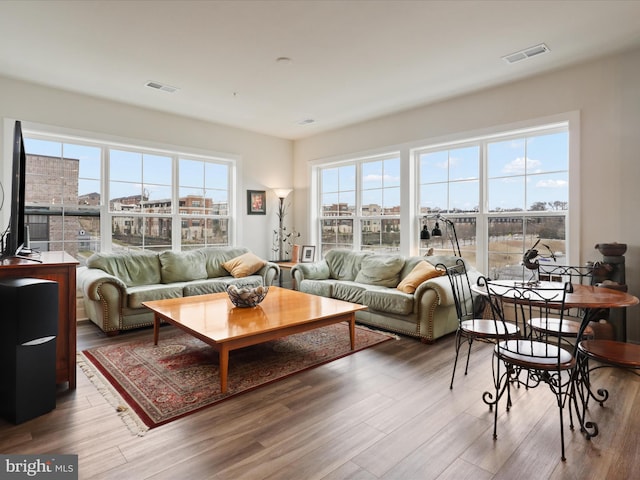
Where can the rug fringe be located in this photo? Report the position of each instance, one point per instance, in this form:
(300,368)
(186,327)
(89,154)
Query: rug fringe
(129,417)
(382,332)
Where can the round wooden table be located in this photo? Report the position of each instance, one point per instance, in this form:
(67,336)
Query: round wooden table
(588,298)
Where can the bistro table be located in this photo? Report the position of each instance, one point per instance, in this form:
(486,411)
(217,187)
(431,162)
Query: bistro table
(587,298)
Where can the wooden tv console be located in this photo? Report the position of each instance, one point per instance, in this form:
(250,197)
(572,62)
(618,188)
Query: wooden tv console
(59,267)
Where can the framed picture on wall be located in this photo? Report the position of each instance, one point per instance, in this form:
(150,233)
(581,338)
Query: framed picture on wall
(256,202)
(308,254)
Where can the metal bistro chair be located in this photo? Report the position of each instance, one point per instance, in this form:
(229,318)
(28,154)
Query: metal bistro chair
(572,318)
(470,328)
(541,361)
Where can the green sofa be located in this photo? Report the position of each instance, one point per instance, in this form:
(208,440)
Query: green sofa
(114,285)
(372,279)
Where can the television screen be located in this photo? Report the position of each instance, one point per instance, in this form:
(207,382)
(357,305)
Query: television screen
(15,237)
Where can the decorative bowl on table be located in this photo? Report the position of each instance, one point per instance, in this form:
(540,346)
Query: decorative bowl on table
(246,296)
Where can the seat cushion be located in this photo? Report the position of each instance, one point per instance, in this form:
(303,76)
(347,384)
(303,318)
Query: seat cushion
(147,293)
(348,291)
(388,300)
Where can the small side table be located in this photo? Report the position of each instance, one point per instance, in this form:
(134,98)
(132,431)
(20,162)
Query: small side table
(285,266)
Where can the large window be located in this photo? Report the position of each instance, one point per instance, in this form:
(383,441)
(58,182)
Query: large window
(498,192)
(79,189)
(510,190)
(360,205)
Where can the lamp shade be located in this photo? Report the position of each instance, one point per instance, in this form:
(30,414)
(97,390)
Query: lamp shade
(282,192)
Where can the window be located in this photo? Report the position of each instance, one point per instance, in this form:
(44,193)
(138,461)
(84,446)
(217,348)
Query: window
(360,204)
(156,199)
(510,190)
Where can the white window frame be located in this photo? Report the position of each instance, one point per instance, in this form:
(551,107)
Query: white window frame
(357,216)
(106,142)
(410,217)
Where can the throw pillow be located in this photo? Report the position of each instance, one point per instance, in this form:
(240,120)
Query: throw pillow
(380,270)
(421,272)
(244,265)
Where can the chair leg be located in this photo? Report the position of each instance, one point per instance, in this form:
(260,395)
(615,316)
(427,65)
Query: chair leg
(470,342)
(455,362)
(560,405)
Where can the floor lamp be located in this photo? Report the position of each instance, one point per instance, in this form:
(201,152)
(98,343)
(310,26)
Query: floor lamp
(282,194)
(436,232)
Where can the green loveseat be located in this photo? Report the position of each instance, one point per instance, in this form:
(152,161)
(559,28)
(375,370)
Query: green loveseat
(372,279)
(114,285)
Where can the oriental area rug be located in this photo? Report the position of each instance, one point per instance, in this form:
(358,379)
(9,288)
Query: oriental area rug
(151,385)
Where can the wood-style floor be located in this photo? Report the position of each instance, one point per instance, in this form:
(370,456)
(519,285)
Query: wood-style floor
(383,413)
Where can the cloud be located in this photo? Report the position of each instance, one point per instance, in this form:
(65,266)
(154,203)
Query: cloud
(377,178)
(552,183)
(517,166)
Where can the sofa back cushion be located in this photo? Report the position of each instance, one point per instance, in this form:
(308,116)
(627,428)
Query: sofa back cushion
(182,266)
(381,270)
(133,268)
(345,264)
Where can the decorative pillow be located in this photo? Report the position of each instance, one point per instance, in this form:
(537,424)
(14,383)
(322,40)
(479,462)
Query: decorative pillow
(244,265)
(421,272)
(381,270)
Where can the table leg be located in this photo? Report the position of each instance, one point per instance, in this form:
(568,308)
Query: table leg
(156,328)
(352,330)
(223,361)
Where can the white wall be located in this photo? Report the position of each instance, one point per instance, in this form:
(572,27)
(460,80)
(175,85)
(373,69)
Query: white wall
(266,161)
(607,94)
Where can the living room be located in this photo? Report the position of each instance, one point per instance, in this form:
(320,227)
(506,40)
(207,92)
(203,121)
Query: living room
(604,90)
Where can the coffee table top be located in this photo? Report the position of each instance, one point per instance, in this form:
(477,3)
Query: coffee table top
(215,317)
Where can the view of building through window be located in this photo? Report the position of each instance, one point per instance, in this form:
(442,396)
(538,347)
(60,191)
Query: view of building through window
(501,193)
(65,202)
(360,205)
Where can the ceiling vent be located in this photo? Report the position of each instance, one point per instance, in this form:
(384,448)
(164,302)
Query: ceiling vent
(161,86)
(526,53)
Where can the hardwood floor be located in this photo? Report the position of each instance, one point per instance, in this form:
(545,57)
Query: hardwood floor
(383,413)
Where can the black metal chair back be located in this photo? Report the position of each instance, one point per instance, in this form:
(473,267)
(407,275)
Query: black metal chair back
(460,289)
(572,317)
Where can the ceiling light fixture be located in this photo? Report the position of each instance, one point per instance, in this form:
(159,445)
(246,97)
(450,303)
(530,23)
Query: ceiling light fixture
(161,86)
(526,53)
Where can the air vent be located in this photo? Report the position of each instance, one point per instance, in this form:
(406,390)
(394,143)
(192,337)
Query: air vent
(526,53)
(161,86)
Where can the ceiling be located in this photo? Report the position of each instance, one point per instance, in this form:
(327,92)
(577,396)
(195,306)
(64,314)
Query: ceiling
(349,61)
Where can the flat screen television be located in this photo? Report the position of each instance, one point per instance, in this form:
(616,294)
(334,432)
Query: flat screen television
(15,236)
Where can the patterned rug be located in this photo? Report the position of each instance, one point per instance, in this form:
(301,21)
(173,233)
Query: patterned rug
(153,385)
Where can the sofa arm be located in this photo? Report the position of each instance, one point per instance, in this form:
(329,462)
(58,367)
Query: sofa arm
(104,297)
(311,271)
(269,273)
(442,288)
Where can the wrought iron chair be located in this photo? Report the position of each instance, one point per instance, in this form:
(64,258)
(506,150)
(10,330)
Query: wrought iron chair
(572,318)
(539,361)
(606,354)
(470,327)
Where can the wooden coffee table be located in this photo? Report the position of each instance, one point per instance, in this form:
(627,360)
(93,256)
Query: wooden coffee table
(214,320)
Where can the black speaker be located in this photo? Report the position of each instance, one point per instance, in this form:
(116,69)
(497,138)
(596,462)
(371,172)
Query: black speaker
(28,331)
